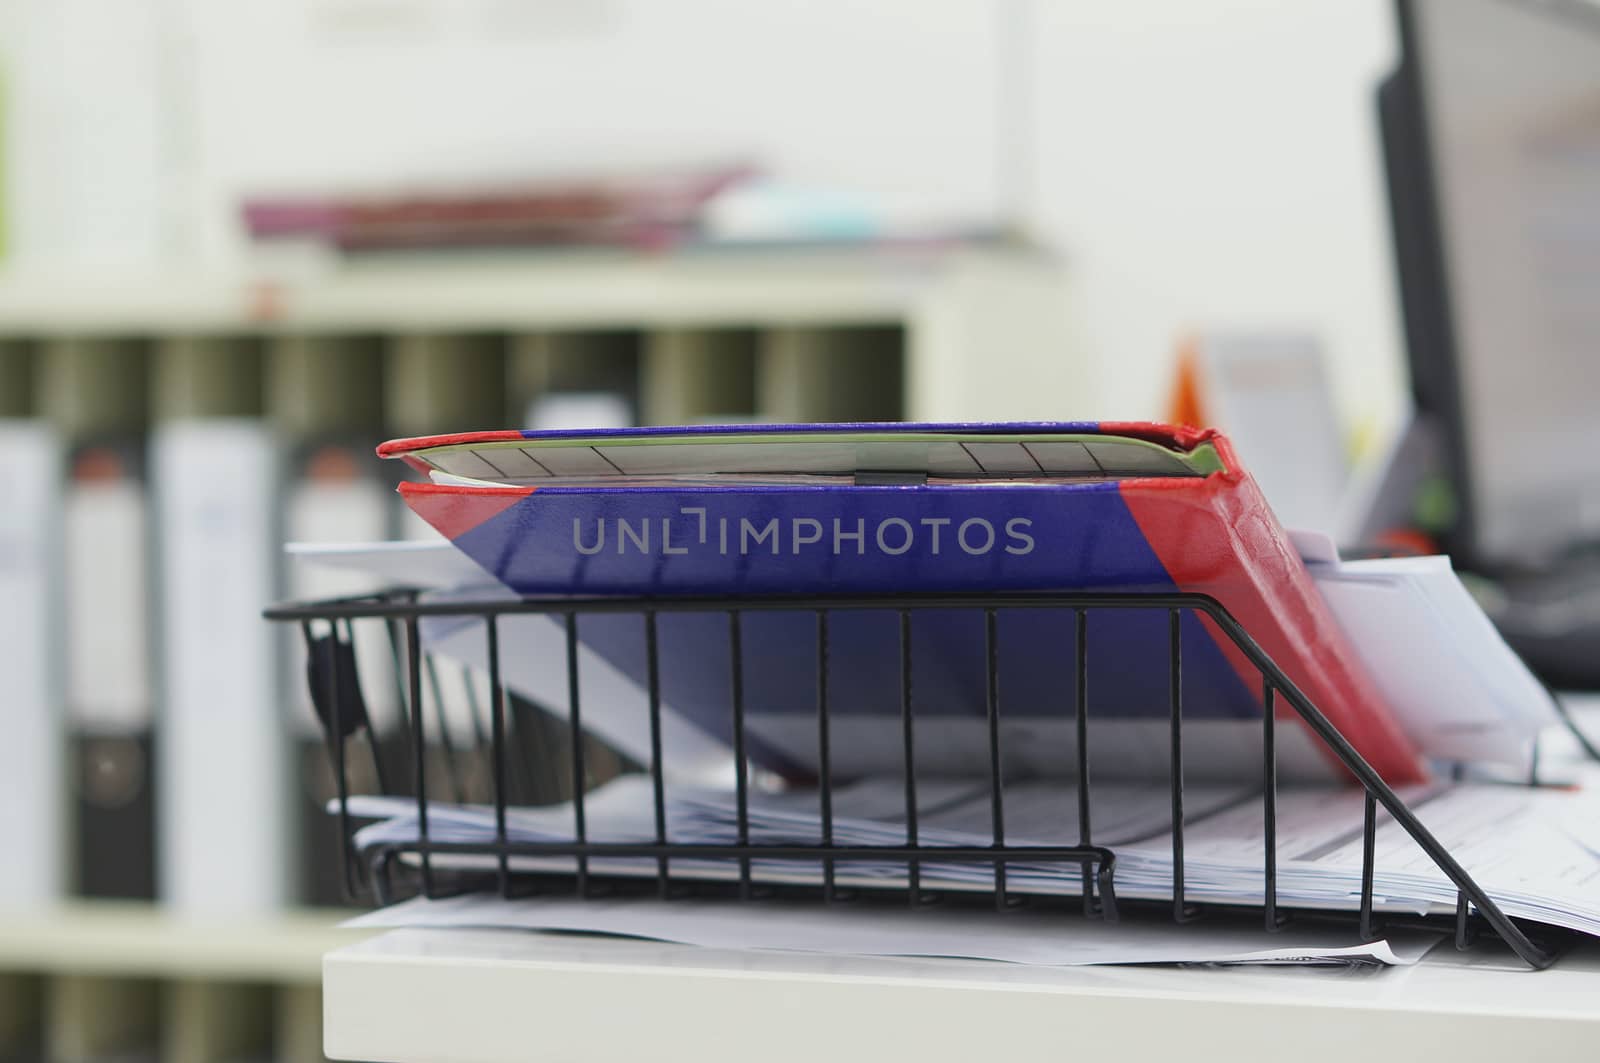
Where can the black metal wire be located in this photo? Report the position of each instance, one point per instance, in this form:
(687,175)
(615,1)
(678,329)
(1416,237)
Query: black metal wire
(909,759)
(824,757)
(658,783)
(497,730)
(1080,709)
(741,762)
(1463,927)
(580,825)
(1590,749)
(335,731)
(997,811)
(419,759)
(1369,835)
(1181,912)
(1269,807)
(1098,863)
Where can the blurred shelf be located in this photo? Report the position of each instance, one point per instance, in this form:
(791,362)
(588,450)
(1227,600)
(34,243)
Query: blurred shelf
(987,331)
(131,940)
(506,291)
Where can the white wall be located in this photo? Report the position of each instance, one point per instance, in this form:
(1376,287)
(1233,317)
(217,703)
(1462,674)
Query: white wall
(140,123)
(1216,164)
(87,145)
(1199,162)
(892,101)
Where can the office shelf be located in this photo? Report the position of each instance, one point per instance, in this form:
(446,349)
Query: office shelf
(512,290)
(985,327)
(142,940)
(87,981)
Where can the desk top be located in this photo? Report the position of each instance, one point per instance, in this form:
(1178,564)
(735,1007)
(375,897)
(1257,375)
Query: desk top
(491,996)
(494,995)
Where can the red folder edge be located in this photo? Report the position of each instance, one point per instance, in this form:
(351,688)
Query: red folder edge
(1219,537)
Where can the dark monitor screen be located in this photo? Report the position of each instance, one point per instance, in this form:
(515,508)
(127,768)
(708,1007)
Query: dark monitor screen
(1492,131)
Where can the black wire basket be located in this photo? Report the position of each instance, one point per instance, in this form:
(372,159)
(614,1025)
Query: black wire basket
(512,753)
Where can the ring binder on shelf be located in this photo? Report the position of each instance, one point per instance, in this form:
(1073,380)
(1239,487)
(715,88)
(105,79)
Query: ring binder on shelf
(223,742)
(677,867)
(96,392)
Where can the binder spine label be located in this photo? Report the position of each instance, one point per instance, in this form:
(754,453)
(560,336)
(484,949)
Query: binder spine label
(105,526)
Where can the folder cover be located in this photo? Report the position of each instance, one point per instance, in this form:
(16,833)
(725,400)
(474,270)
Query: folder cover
(872,508)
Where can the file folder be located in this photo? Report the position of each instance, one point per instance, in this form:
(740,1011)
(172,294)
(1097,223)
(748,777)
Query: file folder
(867,508)
(96,392)
(32,824)
(224,773)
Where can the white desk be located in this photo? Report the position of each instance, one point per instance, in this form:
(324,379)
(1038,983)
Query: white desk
(417,995)
(491,996)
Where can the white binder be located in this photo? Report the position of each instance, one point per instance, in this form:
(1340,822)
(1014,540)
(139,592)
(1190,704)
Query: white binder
(32,822)
(223,795)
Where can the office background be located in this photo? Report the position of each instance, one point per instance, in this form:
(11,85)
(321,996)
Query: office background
(1141,171)
(1197,166)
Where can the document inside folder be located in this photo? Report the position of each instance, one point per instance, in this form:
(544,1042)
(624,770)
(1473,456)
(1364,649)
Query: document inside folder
(745,459)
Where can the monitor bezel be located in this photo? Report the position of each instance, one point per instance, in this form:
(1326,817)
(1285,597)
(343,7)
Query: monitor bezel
(1421,263)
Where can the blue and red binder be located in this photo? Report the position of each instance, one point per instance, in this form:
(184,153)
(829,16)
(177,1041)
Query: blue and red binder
(868,508)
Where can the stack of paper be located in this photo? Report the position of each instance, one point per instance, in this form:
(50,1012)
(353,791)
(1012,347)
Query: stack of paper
(1040,938)
(1459,691)
(1536,851)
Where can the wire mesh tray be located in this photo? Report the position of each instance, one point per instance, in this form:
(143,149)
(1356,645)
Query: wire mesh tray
(504,756)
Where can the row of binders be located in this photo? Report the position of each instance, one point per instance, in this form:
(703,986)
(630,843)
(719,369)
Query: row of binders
(148,489)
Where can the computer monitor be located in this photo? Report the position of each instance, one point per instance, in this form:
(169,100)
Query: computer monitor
(1492,137)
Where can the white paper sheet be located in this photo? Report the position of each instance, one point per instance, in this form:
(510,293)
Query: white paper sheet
(1458,690)
(428,564)
(1030,937)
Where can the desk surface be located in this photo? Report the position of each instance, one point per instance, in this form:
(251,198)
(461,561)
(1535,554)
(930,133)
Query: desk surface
(493,995)
(490,996)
